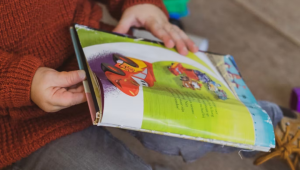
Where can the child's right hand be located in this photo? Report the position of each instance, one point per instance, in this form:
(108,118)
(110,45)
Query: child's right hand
(52,90)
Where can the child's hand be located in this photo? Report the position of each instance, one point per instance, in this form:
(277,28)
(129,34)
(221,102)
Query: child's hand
(52,90)
(154,20)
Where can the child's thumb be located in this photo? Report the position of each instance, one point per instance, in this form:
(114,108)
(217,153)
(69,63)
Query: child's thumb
(123,26)
(67,79)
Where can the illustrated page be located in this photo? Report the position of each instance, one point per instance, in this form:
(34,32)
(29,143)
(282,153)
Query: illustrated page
(151,87)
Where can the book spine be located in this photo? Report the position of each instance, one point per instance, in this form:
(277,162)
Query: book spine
(88,88)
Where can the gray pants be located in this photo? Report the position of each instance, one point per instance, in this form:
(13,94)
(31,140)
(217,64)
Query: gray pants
(95,148)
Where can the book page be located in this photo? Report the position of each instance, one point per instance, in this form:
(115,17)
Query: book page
(147,86)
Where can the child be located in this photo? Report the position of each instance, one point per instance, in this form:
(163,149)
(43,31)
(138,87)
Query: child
(42,98)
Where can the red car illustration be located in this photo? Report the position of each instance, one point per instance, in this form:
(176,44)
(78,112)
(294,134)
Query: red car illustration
(129,73)
(178,69)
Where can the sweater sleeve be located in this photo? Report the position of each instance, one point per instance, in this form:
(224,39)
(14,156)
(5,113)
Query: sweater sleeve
(117,7)
(16,74)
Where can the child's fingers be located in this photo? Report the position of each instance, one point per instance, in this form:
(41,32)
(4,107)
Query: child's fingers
(188,42)
(78,98)
(123,26)
(64,98)
(171,35)
(77,89)
(165,37)
(179,43)
(158,31)
(67,79)
(125,23)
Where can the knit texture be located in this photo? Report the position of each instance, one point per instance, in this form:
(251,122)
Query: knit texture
(35,33)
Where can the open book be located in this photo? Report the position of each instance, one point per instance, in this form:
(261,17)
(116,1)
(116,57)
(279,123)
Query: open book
(140,85)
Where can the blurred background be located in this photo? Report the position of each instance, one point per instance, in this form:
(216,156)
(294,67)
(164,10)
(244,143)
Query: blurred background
(264,38)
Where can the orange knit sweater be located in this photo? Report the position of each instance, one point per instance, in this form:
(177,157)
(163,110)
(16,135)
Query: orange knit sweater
(35,33)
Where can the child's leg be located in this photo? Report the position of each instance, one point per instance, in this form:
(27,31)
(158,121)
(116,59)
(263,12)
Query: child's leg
(91,148)
(191,150)
(273,111)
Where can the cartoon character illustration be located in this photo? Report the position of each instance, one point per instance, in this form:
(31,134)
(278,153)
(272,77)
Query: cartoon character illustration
(178,69)
(202,76)
(190,79)
(235,84)
(243,96)
(221,94)
(213,86)
(227,66)
(189,83)
(233,76)
(129,73)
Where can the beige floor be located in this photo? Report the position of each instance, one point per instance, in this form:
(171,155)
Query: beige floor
(268,59)
(264,37)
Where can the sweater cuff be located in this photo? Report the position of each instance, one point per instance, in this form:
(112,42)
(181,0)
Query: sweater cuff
(158,3)
(19,79)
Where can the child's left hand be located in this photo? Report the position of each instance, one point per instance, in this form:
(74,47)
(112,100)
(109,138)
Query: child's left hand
(153,19)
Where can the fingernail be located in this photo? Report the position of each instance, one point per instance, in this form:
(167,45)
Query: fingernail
(171,43)
(82,74)
(184,49)
(196,47)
